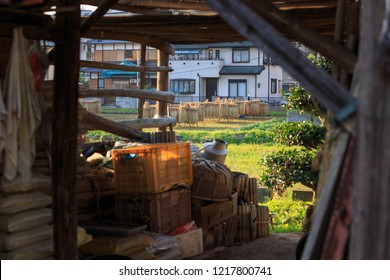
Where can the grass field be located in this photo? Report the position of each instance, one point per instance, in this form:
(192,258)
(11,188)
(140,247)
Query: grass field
(249,140)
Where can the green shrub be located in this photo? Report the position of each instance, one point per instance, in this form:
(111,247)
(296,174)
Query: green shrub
(287,214)
(286,167)
(306,134)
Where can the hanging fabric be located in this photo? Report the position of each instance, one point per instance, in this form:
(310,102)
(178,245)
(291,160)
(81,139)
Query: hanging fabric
(23,112)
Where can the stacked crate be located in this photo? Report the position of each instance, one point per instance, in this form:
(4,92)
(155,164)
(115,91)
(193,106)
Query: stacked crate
(152,184)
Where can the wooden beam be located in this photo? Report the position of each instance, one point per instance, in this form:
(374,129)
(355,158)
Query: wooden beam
(124,7)
(169,4)
(322,212)
(148,123)
(101,10)
(310,38)
(102,65)
(149,41)
(250,24)
(92,121)
(65,131)
(371,193)
(20,17)
(164,96)
(30,32)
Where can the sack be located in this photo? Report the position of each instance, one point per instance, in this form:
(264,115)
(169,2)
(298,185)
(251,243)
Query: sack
(212,180)
(25,220)
(38,180)
(37,251)
(16,203)
(12,241)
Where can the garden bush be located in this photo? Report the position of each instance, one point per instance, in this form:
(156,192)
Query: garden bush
(306,134)
(286,167)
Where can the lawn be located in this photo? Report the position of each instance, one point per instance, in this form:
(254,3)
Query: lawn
(249,140)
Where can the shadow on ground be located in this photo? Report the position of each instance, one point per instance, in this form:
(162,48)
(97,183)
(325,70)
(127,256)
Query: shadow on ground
(279,246)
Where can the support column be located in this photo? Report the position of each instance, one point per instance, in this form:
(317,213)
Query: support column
(141,101)
(162,83)
(65,130)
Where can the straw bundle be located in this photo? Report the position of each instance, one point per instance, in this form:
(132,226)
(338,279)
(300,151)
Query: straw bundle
(93,106)
(192,115)
(264,109)
(174,111)
(149,110)
(233,111)
(182,116)
(255,107)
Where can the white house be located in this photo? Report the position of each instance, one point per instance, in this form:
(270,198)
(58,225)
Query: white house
(227,70)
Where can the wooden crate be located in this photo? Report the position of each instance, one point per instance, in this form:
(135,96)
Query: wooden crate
(215,213)
(161,212)
(152,168)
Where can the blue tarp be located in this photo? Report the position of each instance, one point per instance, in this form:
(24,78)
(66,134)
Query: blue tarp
(119,73)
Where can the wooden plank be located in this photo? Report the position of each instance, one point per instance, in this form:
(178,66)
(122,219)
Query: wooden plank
(251,25)
(65,130)
(310,38)
(165,96)
(149,41)
(102,65)
(321,217)
(371,193)
(148,123)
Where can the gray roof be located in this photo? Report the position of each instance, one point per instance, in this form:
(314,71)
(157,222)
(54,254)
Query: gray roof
(241,70)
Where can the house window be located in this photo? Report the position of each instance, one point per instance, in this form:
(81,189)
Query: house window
(121,84)
(274,85)
(237,88)
(128,53)
(183,86)
(210,54)
(217,55)
(100,83)
(240,55)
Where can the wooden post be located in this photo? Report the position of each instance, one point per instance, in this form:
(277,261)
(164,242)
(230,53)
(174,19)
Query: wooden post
(141,101)
(371,193)
(64,149)
(162,83)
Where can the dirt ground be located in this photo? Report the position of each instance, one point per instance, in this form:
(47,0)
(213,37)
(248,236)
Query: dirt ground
(280,246)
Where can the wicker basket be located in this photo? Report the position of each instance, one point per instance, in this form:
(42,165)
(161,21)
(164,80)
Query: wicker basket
(212,180)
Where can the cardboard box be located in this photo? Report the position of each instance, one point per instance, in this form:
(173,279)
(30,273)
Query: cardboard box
(191,243)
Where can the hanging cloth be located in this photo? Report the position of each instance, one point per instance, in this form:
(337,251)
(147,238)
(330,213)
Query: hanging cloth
(23,113)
